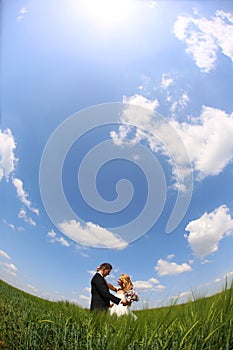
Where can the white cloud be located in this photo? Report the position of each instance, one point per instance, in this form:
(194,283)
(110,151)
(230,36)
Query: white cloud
(180,104)
(164,267)
(10,272)
(208,140)
(142,285)
(12,226)
(20,191)
(207,38)
(22,13)
(91,235)
(119,136)
(84,297)
(7,166)
(205,261)
(32,288)
(23,196)
(160,135)
(84,255)
(146,83)
(150,284)
(23,215)
(166,81)
(63,241)
(91,272)
(226,15)
(187,295)
(140,100)
(170,256)
(153,280)
(10,267)
(132,115)
(159,288)
(7,157)
(74,301)
(226,278)
(52,234)
(23,10)
(84,300)
(4,255)
(228,275)
(206,232)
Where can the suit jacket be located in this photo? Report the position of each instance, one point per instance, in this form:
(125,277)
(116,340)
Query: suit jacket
(100,295)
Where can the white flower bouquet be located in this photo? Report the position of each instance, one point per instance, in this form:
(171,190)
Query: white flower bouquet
(131,295)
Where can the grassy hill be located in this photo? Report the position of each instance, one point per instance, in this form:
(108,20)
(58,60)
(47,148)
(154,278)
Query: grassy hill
(28,322)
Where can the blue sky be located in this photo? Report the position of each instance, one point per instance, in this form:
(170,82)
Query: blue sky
(116,144)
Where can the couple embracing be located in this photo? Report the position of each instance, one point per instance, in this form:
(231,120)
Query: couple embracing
(102,299)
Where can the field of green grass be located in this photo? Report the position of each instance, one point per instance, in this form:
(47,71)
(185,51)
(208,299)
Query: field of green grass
(28,322)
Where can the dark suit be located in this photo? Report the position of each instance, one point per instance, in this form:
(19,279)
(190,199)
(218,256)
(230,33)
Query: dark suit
(100,295)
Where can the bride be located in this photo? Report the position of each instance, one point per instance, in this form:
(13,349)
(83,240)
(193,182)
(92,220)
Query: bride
(124,292)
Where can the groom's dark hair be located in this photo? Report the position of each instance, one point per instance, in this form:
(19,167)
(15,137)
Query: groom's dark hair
(104,266)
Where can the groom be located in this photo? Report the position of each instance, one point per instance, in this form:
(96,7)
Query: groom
(100,295)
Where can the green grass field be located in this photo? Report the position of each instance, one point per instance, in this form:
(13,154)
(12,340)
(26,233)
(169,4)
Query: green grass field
(28,322)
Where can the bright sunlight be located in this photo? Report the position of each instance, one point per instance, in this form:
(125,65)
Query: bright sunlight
(108,12)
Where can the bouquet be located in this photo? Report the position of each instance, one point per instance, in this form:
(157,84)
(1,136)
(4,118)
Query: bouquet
(131,295)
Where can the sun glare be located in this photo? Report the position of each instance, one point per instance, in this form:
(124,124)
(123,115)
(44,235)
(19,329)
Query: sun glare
(108,12)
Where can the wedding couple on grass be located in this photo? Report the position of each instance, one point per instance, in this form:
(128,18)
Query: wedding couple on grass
(103,300)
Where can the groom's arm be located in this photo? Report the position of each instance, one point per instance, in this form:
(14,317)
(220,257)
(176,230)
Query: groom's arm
(110,286)
(102,287)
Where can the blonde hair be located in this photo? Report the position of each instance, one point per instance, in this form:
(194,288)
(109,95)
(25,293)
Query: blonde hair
(126,282)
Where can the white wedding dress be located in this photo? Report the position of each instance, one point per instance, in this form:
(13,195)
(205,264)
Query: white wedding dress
(120,309)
